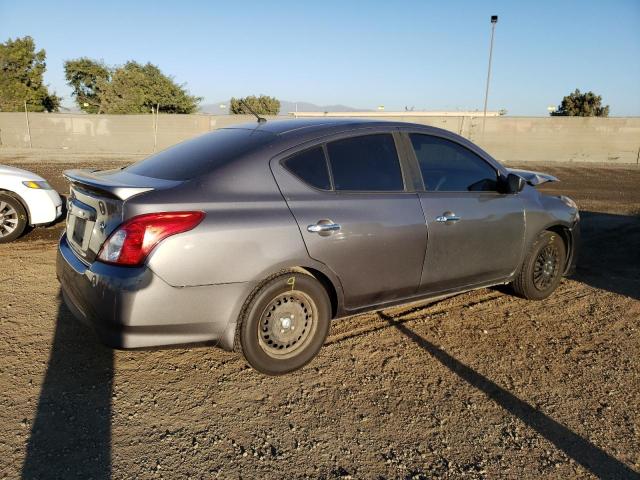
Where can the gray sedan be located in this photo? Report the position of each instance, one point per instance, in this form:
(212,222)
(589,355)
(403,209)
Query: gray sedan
(256,236)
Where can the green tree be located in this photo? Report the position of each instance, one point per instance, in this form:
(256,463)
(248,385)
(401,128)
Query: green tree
(131,88)
(21,77)
(262,105)
(579,104)
(87,78)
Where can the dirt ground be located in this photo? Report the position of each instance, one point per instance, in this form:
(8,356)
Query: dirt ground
(481,385)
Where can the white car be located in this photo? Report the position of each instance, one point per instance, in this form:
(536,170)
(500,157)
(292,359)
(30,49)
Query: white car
(25,199)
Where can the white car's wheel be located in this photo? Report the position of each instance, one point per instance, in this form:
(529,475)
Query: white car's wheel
(13,218)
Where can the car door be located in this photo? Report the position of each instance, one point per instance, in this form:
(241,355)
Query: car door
(475,232)
(355,216)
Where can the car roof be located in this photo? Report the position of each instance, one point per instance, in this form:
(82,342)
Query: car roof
(291,132)
(313,125)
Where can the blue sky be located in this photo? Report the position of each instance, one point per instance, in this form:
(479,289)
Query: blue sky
(428,54)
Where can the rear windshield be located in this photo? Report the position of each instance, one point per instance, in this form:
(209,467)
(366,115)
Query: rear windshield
(195,157)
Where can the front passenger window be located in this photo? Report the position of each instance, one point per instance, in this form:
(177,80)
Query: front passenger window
(447,166)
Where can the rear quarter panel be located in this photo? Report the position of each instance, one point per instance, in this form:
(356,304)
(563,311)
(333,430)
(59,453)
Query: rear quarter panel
(248,232)
(237,242)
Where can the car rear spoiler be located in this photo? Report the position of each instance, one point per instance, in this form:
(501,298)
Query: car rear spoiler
(117,183)
(533,178)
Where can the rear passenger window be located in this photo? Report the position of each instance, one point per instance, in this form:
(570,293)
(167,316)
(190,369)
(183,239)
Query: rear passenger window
(311,167)
(447,166)
(365,163)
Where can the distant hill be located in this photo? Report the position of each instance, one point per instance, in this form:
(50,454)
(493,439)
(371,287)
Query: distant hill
(285,107)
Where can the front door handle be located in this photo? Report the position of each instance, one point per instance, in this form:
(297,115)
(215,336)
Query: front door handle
(323,227)
(448,218)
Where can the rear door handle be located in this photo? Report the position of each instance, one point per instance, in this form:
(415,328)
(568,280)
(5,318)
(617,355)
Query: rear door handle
(323,228)
(448,218)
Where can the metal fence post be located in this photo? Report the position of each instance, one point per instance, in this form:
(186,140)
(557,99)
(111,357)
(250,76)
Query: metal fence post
(155,126)
(26,116)
(157,121)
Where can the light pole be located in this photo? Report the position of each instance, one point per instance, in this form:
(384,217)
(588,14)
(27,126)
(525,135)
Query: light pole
(494,20)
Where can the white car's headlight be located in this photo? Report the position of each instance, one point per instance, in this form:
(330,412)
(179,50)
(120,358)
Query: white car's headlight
(38,185)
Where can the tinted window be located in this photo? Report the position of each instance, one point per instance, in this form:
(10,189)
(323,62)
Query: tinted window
(200,155)
(449,167)
(311,167)
(366,163)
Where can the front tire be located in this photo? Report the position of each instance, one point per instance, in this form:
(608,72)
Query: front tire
(284,323)
(541,271)
(13,218)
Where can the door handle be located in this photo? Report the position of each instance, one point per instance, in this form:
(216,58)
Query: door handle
(322,227)
(448,218)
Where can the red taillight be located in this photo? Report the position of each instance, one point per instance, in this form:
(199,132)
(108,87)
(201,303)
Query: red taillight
(132,241)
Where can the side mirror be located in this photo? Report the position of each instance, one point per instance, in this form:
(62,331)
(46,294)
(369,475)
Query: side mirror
(514,183)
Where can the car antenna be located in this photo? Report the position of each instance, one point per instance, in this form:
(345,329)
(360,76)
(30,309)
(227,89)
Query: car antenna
(260,119)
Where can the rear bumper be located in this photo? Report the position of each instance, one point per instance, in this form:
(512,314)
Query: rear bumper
(133,307)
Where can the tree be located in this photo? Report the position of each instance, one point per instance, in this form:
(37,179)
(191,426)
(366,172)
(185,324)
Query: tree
(131,88)
(579,104)
(262,105)
(21,77)
(87,78)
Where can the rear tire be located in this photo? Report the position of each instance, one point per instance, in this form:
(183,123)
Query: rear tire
(13,218)
(284,323)
(541,271)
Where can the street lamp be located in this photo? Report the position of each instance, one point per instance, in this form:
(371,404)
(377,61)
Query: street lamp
(494,20)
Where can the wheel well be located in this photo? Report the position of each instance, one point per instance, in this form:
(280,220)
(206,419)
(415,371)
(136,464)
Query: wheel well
(22,202)
(328,286)
(564,233)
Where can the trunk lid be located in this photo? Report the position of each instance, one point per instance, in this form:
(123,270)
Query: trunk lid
(95,206)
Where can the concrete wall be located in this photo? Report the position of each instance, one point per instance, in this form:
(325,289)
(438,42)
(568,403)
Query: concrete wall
(514,139)
(106,133)
(567,139)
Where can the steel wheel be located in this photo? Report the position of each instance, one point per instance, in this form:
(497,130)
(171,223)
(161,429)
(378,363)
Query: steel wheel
(8,219)
(542,268)
(545,268)
(287,324)
(284,323)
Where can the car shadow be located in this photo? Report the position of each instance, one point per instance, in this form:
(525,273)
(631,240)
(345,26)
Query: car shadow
(591,457)
(609,257)
(71,433)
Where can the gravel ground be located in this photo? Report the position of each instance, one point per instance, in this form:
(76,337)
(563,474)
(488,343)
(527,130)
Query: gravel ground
(481,385)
